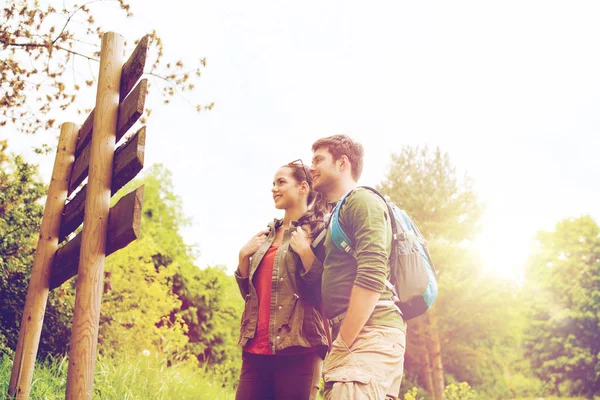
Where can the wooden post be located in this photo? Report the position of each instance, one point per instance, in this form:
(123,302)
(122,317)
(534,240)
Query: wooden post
(84,335)
(37,294)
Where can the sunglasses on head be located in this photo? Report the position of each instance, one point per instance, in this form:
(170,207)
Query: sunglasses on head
(299,162)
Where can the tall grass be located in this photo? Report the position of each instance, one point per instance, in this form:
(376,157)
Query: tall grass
(125,378)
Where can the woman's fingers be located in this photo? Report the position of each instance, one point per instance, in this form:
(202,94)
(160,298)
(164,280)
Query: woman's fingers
(262,233)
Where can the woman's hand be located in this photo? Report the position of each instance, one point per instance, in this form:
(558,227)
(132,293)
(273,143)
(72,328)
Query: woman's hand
(248,251)
(253,244)
(299,241)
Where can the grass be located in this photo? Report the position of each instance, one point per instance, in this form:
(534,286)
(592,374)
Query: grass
(127,378)
(131,378)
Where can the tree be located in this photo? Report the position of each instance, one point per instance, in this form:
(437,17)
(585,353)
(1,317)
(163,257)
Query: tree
(479,321)
(447,213)
(211,308)
(175,308)
(425,184)
(137,317)
(563,279)
(39,45)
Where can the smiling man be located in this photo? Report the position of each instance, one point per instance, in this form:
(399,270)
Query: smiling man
(367,356)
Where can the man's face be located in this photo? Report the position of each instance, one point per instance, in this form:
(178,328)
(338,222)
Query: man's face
(324,170)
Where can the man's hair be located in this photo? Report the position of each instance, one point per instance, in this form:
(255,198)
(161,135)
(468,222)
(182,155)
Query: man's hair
(339,145)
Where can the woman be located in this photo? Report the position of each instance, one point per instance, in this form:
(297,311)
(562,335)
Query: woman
(282,333)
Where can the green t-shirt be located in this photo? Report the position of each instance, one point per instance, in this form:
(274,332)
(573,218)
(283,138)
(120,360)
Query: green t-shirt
(365,220)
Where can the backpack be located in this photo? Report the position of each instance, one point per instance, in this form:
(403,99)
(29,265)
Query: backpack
(412,273)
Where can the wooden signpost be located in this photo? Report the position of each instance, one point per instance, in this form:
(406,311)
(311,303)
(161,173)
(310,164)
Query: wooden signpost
(87,151)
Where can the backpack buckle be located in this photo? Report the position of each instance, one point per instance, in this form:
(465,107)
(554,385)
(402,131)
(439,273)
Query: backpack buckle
(401,236)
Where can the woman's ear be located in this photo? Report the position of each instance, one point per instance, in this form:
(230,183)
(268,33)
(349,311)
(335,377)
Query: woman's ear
(304,188)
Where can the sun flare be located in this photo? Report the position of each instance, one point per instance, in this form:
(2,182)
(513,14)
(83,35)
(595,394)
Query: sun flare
(503,253)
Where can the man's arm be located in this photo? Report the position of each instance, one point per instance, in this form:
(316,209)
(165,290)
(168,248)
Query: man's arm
(365,216)
(362,304)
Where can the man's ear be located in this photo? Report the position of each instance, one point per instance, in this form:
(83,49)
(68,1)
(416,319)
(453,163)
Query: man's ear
(344,162)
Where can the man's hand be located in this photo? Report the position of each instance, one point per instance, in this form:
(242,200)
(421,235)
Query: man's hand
(361,306)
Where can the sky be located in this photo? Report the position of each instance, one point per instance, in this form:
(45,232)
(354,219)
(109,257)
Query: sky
(510,90)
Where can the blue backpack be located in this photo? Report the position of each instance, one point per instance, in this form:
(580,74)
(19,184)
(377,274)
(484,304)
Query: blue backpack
(412,274)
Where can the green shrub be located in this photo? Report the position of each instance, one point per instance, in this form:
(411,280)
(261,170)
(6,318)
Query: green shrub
(412,394)
(460,391)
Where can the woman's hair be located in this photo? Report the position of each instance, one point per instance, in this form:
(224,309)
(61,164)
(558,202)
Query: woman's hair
(317,203)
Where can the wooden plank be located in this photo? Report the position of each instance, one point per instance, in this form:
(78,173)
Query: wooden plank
(129,161)
(124,225)
(73,215)
(80,169)
(131,72)
(130,110)
(134,67)
(126,220)
(85,134)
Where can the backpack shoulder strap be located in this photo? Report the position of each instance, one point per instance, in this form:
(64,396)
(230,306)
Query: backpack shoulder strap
(339,237)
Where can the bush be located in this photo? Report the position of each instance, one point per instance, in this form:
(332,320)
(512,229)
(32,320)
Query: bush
(460,391)
(412,394)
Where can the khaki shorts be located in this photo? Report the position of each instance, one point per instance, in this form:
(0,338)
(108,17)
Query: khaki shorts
(371,369)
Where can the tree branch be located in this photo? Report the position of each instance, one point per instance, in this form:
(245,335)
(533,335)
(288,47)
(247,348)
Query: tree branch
(73,14)
(76,53)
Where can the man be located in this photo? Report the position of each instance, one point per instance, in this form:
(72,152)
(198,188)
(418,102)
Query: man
(367,356)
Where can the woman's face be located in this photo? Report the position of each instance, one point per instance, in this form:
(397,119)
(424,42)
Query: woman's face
(287,191)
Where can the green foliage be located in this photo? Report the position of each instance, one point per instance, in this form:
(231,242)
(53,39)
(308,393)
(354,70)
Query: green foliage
(21,191)
(454,391)
(478,319)
(151,377)
(174,309)
(414,393)
(461,391)
(156,300)
(211,308)
(140,377)
(426,187)
(49,378)
(137,317)
(563,282)
(446,211)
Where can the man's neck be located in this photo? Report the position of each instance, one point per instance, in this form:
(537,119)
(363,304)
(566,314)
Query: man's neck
(340,190)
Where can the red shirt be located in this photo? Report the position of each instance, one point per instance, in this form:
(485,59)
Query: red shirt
(262,282)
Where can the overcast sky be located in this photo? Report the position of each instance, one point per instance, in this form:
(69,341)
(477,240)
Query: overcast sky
(511,90)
